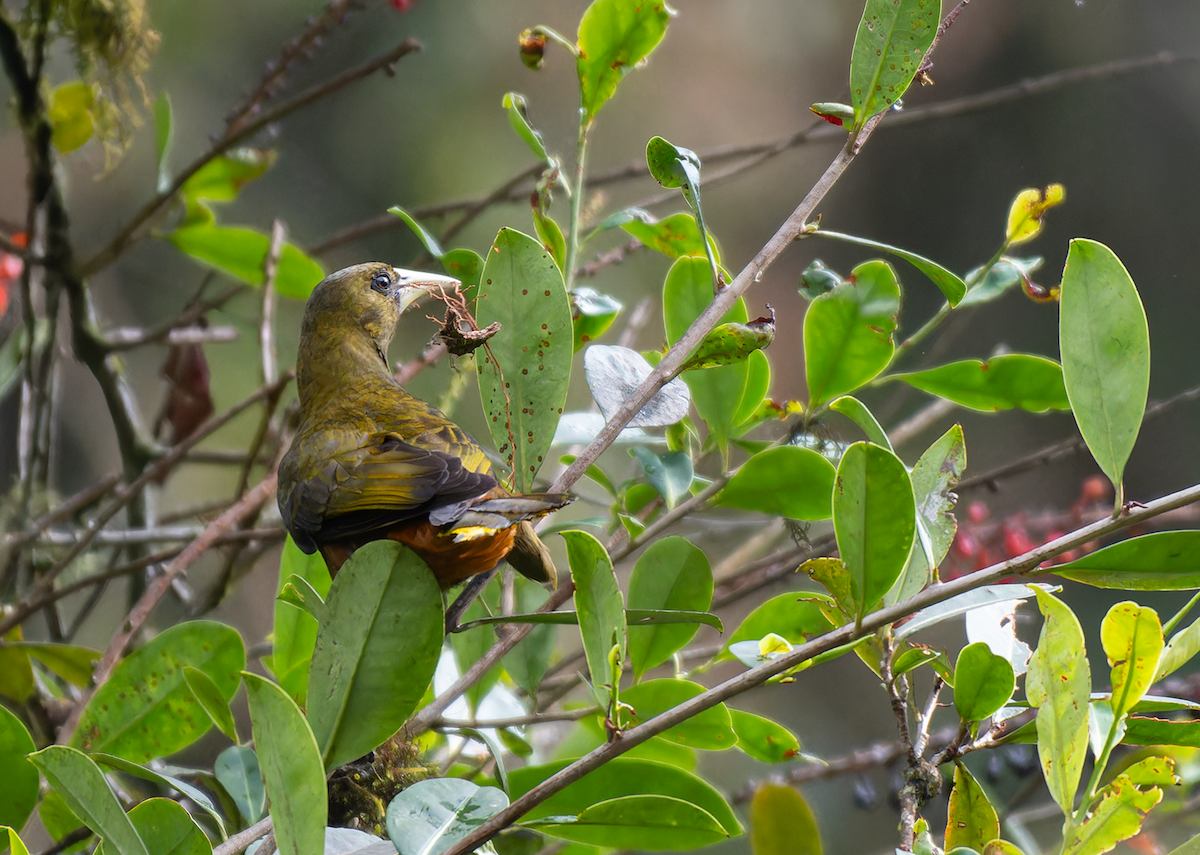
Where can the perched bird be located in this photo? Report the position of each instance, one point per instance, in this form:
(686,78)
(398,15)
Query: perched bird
(370,461)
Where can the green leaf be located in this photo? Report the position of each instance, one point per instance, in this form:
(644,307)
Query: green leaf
(430,816)
(676,236)
(59,820)
(209,696)
(293,774)
(1117,817)
(787,481)
(1191,847)
(551,236)
(241,252)
(428,241)
(670,574)
(673,166)
(599,603)
(857,412)
(708,730)
(1180,649)
(614,37)
(1003,275)
(762,738)
(1058,683)
(951,286)
(686,294)
(70,115)
(295,632)
(730,343)
(15,844)
(529,660)
(873,517)
(1133,642)
(166,827)
(646,822)
(237,770)
(146,710)
(466,266)
(848,332)
(164,137)
(166,781)
(18,777)
(622,777)
(1022,380)
(983,683)
(1162,561)
(81,784)
(758,381)
(376,655)
(782,823)
(223,177)
(470,646)
(793,616)
(971,821)
(671,475)
(518,116)
(891,42)
(592,313)
(524,389)
(933,479)
(74,664)
(1105,346)
(915,657)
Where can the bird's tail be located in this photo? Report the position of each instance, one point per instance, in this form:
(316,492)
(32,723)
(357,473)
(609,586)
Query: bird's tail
(529,556)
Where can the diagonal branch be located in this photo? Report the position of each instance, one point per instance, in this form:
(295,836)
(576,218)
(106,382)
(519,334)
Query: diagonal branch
(1026,564)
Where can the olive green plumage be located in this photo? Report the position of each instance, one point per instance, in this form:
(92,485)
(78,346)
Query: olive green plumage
(370,461)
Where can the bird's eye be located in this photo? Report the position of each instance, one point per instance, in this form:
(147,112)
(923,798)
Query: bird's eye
(381,282)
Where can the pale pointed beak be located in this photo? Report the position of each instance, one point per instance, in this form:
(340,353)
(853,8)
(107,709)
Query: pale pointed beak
(414,284)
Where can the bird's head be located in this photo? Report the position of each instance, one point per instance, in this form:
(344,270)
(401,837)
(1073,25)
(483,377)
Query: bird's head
(366,298)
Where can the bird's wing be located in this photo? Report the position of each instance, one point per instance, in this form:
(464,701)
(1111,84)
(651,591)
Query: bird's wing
(357,489)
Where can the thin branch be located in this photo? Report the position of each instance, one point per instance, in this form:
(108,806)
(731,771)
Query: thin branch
(471,209)
(144,536)
(85,498)
(1067,447)
(1026,564)
(672,362)
(236,843)
(124,495)
(116,341)
(429,357)
(247,505)
(300,48)
(515,721)
(758,153)
(266,324)
(383,62)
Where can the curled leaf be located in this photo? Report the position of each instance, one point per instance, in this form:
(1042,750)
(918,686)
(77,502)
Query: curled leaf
(733,342)
(841,115)
(1026,212)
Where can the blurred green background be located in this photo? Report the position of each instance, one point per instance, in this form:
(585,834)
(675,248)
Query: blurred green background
(728,74)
